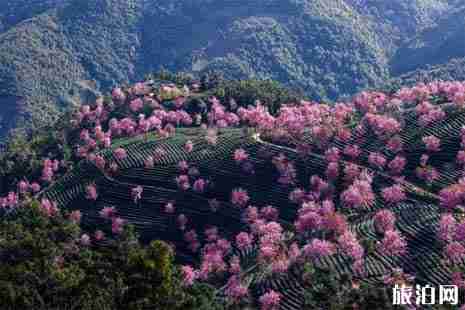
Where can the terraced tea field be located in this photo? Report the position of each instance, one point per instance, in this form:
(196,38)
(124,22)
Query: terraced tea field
(417,217)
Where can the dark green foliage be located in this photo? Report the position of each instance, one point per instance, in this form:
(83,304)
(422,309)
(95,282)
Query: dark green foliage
(325,291)
(270,93)
(179,78)
(434,46)
(401,19)
(13,12)
(23,154)
(24,151)
(437,53)
(211,80)
(45,267)
(299,44)
(453,70)
(42,58)
(245,92)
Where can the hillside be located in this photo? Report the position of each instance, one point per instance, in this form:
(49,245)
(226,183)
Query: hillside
(453,69)
(396,21)
(394,155)
(303,44)
(12,12)
(434,46)
(305,203)
(48,46)
(417,218)
(42,58)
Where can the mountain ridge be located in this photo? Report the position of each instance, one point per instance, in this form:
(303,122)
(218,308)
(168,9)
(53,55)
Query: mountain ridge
(328,49)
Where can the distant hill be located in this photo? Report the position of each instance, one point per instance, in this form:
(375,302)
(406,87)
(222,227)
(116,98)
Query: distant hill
(452,70)
(434,46)
(13,12)
(42,58)
(328,48)
(399,20)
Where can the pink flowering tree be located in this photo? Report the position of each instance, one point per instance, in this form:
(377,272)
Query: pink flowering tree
(339,163)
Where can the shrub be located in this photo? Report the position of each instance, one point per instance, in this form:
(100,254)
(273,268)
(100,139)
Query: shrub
(245,92)
(328,292)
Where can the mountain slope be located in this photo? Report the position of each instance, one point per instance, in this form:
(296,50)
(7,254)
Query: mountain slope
(434,46)
(296,42)
(13,12)
(48,45)
(36,61)
(399,20)
(159,187)
(42,58)
(391,128)
(454,69)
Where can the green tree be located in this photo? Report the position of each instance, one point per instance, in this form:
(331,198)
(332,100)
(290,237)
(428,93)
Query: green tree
(45,266)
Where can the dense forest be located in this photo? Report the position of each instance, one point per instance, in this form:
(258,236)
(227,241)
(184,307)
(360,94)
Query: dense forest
(57,53)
